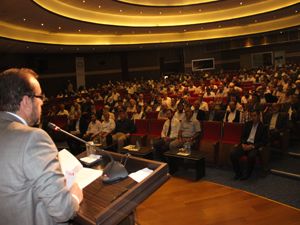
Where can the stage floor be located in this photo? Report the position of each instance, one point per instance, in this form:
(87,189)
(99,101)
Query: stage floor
(181,202)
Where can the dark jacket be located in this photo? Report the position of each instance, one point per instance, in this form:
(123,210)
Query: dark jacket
(261,135)
(124,126)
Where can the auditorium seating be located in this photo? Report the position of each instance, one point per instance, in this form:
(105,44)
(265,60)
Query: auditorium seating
(141,131)
(152,115)
(231,136)
(210,141)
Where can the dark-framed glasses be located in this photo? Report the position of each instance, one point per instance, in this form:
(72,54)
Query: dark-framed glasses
(42,97)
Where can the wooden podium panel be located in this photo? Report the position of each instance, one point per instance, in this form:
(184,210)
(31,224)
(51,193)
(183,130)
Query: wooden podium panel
(108,204)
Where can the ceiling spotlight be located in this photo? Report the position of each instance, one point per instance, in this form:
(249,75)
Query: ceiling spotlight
(99,6)
(184,30)
(42,24)
(241,3)
(59,28)
(83,1)
(79,30)
(121,10)
(296,11)
(24,19)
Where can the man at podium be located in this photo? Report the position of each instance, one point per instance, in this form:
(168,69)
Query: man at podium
(32,188)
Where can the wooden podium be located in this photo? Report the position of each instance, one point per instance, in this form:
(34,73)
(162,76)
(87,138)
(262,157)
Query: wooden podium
(109,204)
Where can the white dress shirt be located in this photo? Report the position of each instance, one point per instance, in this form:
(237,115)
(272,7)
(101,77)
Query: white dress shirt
(175,125)
(108,126)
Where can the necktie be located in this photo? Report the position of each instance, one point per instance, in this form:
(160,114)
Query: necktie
(169,130)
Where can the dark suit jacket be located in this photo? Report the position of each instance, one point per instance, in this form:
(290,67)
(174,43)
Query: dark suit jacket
(236,118)
(124,126)
(217,115)
(281,122)
(261,135)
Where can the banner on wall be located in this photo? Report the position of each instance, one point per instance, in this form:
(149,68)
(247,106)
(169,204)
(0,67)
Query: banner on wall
(80,72)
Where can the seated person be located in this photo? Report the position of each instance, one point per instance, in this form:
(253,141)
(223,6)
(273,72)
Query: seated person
(168,134)
(189,131)
(162,115)
(276,122)
(232,115)
(179,114)
(139,114)
(124,127)
(77,127)
(253,137)
(213,114)
(107,127)
(198,111)
(62,111)
(93,129)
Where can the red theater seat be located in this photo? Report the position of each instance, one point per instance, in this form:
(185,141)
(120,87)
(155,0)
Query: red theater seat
(210,142)
(231,136)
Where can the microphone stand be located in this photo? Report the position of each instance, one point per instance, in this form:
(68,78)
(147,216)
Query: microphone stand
(114,171)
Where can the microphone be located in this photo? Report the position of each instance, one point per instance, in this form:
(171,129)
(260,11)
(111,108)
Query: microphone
(113,171)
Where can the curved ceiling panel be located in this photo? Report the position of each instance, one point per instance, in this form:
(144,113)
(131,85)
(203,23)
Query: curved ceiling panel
(20,33)
(160,3)
(133,20)
(124,22)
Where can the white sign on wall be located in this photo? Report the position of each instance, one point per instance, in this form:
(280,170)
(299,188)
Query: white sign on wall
(80,72)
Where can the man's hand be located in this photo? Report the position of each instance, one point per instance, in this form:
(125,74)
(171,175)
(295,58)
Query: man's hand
(247,147)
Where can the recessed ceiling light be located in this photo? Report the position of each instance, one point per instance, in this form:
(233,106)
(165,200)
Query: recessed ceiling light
(79,30)
(99,6)
(59,28)
(296,11)
(121,10)
(24,19)
(83,1)
(184,30)
(241,3)
(42,24)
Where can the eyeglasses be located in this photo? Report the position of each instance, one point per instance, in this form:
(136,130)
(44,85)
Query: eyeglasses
(42,97)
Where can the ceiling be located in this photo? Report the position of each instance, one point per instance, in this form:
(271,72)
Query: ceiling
(60,25)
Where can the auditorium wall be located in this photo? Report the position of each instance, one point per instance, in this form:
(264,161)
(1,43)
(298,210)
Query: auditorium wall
(143,62)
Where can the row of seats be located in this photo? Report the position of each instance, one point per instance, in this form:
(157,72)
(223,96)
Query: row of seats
(216,142)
